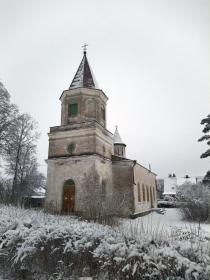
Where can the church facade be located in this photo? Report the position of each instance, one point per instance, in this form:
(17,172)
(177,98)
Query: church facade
(87,165)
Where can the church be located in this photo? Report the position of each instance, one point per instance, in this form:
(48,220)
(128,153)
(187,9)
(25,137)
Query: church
(87,165)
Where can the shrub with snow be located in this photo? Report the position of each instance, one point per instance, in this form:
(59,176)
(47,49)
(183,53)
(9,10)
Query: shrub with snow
(196,202)
(35,245)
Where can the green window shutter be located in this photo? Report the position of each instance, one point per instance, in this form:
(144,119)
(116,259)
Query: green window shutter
(73,110)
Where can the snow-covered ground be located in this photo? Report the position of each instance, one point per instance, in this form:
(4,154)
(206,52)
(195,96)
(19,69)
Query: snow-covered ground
(156,226)
(172,218)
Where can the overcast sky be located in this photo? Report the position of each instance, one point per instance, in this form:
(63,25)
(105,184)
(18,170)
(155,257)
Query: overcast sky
(150,57)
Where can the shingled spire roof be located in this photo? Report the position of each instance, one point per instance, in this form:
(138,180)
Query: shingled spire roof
(117,139)
(84,76)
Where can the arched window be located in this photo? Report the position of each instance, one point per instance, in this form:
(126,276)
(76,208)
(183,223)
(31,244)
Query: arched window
(147,193)
(151,194)
(154,193)
(139,192)
(143,192)
(103,188)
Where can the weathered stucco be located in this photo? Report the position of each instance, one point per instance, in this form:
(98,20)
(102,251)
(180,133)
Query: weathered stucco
(91,103)
(88,138)
(87,172)
(122,171)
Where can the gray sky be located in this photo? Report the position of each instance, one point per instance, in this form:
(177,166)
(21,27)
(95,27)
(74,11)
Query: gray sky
(150,57)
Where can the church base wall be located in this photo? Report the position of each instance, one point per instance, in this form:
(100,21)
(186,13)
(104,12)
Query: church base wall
(92,176)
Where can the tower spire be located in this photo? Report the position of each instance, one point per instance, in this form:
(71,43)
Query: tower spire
(84,76)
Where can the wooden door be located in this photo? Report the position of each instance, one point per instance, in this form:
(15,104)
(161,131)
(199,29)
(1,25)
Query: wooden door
(68,196)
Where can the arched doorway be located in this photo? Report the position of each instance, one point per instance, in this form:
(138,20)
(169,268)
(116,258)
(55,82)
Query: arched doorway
(68,196)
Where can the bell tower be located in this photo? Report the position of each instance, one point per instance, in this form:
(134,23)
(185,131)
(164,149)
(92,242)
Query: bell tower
(83,101)
(81,148)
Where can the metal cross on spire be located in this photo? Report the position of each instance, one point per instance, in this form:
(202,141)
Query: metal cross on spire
(85,48)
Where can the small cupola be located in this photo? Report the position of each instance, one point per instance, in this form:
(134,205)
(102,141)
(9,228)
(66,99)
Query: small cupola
(119,146)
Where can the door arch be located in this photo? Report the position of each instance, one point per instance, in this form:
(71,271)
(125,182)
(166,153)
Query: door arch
(68,196)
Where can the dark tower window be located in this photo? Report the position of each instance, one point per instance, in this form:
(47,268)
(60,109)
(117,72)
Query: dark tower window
(73,110)
(103,113)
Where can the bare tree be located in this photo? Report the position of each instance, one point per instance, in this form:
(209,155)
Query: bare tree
(5,190)
(8,115)
(18,137)
(33,181)
(20,151)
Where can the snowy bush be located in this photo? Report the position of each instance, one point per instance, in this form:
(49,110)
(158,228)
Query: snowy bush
(34,245)
(195,202)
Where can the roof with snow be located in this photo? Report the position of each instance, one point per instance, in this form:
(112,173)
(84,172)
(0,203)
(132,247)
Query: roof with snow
(183,181)
(84,76)
(117,139)
(169,193)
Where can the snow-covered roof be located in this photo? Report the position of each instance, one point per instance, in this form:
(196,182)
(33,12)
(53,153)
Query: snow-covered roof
(182,181)
(169,193)
(37,196)
(117,139)
(84,76)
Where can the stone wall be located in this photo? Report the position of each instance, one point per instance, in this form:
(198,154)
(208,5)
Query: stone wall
(147,179)
(89,138)
(122,172)
(88,173)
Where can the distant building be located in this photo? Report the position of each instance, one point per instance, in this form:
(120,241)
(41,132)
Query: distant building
(171,183)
